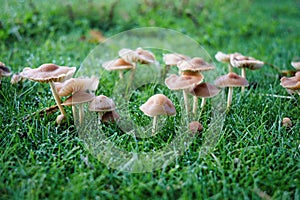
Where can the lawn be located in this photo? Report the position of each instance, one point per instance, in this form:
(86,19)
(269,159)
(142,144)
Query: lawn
(254,156)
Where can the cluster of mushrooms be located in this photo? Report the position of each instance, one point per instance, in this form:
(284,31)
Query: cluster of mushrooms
(78,91)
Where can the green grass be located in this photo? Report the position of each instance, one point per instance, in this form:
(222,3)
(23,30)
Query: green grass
(255,157)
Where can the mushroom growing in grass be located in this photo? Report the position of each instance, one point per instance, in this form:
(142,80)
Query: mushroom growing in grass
(183,82)
(50,73)
(157,105)
(296,65)
(78,98)
(171,59)
(244,62)
(4,71)
(225,58)
(230,80)
(203,90)
(117,65)
(292,84)
(102,104)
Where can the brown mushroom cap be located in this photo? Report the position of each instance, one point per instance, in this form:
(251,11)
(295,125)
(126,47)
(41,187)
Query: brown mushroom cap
(48,73)
(139,55)
(195,64)
(110,116)
(158,104)
(73,85)
(102,103)
(287,122)
(225,58)
(292,83)
(78,98)
(296,65)
(145,56)
(172,59)
(4,71)
(231,80)
(117,64)
(240,61)
(175,82)
(204,90)
(195,127)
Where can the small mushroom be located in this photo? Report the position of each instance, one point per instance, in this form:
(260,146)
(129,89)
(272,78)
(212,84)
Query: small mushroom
(296,64)
(203,90)
(292,83)
(195,127)
(183,82)
(172,59)
(157,105)
(117,64)
(196,64)
(4,71)
(50,73)
(287,122)
(225,58)
(230,80)
(102,104)
(78,98)
(244,62)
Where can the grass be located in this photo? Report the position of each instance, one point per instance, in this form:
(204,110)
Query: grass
(255,157)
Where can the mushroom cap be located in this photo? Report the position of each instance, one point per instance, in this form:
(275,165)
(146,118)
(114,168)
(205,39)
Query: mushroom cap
(241,61)
(4,71)
(175,82)
(145,56)
(117,64)
(110,116)
(48,73)
(158,104)
(225,58)
(102,103)
(231,80)
(78,98)
(292,83)
(204,90)
(73,85)
(296,65)
(195,64)
(287,122)
(139,55)
(172,59)
(195,127)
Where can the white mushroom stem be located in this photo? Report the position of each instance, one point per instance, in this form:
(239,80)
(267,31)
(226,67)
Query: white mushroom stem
(74,113)
(243,73)
(230,67)
(121,74)
(203,102)
(57,99)
(185,99)
(154,125)
(132,73)
(195,104)
(100,114)
(229,97)
(81,113)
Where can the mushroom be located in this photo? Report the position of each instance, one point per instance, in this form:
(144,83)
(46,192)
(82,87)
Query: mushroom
(4,71)
(287,122)
(102,104)
(296,64)
(171,59)
(183,82)
(78,98)
(117,64)
(50,73)
(157,105)
(230,80)
(195,127)
(225,58)
(244,62)
(292,83)
(203,90)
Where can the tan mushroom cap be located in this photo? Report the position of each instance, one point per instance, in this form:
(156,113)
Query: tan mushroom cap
(195,127)
(204,90)
(231,80)
(292,83)
(110,116)
(158,104)
(172,59)
(117,64)
(73,85)
(296,65)
(78,98)
(246,62)
(225,58)
(195,64)
(102,103)
(145,56)
(4,71)
(175,82)
(139,55)
(48,73)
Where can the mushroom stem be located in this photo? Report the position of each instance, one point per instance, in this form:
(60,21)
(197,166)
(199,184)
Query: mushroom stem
(195,103)
(164,72)
(81,113)
(121,74)
(57,99)
(132,73)
(229,98)
(99,117)
(154,125)
(203,102)
(185,99)
(74,114)
(230,67)
(243,73)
